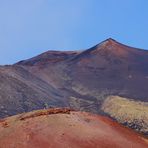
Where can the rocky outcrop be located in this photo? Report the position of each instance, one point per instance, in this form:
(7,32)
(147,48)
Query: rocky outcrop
(45,112)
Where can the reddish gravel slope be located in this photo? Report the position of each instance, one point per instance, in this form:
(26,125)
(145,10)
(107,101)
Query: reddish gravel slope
(63,128)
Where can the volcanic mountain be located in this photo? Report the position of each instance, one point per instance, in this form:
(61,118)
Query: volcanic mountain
(78,79)
(64,128)
(109,68)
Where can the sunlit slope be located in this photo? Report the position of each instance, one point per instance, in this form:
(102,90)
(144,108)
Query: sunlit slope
(131,113)
(54,128)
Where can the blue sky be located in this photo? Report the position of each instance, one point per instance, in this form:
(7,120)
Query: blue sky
(30,27)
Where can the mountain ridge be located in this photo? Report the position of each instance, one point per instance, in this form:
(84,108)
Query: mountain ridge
(78,79)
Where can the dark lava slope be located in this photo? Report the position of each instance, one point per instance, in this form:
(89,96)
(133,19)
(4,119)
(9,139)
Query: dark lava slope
(79,79)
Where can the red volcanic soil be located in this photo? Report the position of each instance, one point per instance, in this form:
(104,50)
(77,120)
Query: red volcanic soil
(63,128)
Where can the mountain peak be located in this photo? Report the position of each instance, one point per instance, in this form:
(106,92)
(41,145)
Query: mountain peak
(112,46)
(109,42)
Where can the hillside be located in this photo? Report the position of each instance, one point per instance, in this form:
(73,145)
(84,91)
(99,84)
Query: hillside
(65,128)
(79,79)
(131,113)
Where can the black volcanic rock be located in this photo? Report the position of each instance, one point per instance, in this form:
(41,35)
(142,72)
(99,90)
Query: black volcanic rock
(79,79)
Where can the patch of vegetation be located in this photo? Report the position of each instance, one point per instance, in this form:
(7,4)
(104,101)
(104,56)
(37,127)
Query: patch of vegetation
(133,114)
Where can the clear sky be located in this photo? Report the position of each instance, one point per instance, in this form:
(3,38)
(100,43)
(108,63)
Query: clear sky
(30,27)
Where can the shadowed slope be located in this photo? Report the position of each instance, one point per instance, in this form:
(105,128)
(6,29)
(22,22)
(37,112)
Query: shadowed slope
(110,68)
